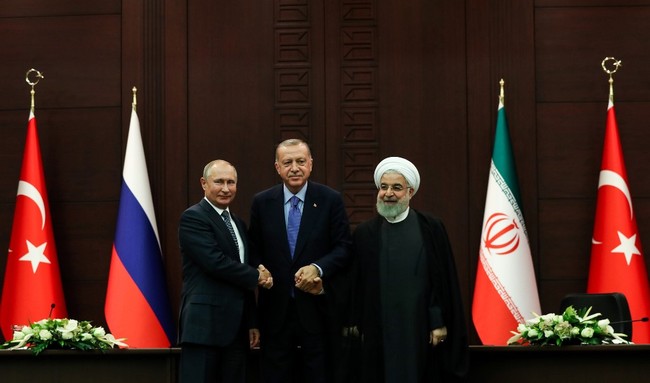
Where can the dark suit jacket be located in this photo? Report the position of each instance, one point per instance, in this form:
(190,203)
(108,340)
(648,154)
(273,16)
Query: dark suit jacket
(218,290)
(324,238)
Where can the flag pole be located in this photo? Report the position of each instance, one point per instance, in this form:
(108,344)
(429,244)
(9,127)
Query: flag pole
(617,64)
(135,101)
(501,92)
(33,83)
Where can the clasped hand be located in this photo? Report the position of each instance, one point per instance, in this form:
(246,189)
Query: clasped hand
(307,280)
(265,279)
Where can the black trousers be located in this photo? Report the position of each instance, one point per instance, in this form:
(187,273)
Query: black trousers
(200,363)
(293,354)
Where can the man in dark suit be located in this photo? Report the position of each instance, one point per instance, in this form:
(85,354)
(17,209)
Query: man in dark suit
(217,317)
(290,314)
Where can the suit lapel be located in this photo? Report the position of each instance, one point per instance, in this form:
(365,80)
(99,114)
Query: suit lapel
(221,226)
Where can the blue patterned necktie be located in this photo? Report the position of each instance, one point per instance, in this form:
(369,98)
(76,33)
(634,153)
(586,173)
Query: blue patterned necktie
(226,220)
(293,223)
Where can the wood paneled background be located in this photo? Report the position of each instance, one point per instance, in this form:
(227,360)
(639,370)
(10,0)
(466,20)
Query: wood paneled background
(358,79)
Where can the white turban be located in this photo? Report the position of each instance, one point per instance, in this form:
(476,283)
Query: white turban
(401,166)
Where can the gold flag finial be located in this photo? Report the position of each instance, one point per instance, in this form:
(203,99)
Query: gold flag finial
(135,100)
(38,76)
(501,92)
(617,64)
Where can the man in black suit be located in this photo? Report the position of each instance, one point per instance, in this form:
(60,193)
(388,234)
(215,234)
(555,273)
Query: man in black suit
(291,315)
(217,317)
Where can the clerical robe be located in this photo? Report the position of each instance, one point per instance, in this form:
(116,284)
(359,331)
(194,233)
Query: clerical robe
(407,286)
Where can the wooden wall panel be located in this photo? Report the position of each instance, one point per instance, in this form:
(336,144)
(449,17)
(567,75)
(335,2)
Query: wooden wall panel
(571,42)
(79,56)
(231,92)
(173,187)
(422,109)
(33,8)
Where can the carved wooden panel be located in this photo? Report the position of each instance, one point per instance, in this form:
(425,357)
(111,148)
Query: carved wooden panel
(293,70)
(359,104)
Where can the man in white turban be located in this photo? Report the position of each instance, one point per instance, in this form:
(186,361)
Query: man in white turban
(407,301)
(399,165)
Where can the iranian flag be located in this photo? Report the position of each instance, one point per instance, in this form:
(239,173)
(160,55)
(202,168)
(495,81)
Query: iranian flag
(505,293)
(617,262)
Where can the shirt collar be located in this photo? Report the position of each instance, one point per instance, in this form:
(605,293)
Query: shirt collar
(288,194)
(220,211)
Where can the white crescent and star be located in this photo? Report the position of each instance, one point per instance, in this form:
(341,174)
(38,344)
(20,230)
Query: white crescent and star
(627,245)
(30,191)
(613,179)
(35,254)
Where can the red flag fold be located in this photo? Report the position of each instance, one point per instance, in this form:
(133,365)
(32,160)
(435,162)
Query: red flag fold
(617,262)
(32,283)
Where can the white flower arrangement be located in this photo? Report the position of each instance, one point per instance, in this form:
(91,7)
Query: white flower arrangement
(61,334)
(572,327)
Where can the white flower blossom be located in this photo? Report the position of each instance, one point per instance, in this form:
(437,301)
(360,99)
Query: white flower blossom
(587,332)
(45,334)
(99,332)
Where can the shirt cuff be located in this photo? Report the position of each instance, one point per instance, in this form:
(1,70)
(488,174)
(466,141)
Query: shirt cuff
(320,271)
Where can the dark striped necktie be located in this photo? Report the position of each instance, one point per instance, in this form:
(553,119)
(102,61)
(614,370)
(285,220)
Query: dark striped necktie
(226,220)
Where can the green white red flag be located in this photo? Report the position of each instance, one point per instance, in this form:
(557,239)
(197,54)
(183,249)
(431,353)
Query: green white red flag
(505,293)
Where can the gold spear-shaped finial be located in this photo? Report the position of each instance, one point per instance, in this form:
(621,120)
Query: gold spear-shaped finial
(38,76)
(502,93)
(617,64)
(135,99)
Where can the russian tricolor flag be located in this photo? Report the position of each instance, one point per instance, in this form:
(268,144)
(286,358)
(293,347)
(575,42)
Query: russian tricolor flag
(137,306)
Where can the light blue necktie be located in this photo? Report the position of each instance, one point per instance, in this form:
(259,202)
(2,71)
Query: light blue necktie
(293,223)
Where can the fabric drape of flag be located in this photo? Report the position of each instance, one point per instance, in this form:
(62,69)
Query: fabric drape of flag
(505,292)
(137,306)
(32,282)
(617,262)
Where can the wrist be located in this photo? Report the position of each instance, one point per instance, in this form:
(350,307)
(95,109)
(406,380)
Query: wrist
(319,272)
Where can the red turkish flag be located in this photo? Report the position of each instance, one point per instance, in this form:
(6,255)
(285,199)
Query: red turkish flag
(32,282)
(617,262)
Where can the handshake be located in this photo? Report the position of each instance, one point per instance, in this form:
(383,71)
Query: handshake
(265,279)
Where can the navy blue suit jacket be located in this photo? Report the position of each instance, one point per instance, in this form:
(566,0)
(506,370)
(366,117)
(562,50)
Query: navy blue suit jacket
(324,238)
(218,289)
